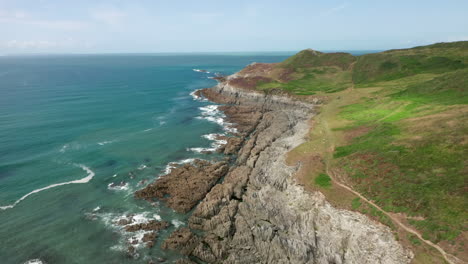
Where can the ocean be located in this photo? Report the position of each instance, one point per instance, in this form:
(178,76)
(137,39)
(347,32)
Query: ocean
(80,133)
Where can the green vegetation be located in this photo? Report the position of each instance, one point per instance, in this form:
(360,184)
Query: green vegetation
(311,71)
(311,59)
(400,136)
(323,180)
(356,203)
(395,64)
(414,240)
(450,88)
(388,66)
(324,79)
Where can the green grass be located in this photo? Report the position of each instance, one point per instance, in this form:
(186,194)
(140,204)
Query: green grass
(395,64)
(414,240)
(448,89)
(313,80)
(323,180)
(356,203)
(413,158)
(424,177)
(311,58)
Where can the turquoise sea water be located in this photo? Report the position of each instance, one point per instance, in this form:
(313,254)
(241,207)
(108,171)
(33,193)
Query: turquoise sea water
(79,134)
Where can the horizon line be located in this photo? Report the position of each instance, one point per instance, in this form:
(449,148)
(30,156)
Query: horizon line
(177,52)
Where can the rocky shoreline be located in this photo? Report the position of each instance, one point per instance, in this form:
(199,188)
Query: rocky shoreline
(250,209)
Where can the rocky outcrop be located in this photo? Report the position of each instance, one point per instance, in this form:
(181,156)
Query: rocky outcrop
(152,225)
(258,214)
(185,185)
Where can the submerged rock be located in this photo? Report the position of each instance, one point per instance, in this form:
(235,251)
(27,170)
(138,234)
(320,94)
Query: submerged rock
(152,225)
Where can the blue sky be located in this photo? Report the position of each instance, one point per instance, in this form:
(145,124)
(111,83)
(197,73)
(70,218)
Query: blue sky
(105,26)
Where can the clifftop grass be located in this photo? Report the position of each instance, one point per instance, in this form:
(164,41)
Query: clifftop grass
(401,140)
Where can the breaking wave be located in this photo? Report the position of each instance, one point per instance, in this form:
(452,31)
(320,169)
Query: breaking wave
(83,180)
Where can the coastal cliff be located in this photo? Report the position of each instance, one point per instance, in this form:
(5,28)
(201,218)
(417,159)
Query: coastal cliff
(258,213)
(335,159)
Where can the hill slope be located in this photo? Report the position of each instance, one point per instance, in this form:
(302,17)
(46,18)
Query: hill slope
(393,128)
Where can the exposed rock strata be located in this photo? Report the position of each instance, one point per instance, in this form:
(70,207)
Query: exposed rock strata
(186,185)
(258,214)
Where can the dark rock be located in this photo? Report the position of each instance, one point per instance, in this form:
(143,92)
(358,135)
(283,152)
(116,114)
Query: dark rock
(186,185)
(124,221)
(149,239)
(182,240)
(152,225)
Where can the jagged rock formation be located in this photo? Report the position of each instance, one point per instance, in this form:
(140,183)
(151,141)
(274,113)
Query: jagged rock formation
(184,186)
(258,214)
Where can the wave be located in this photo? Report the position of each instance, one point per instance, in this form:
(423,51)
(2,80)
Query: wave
(196,97)
(34,261)
(83,180)
(217,143)
(213,114)
(118,222)
(172,165)
(122,186)
(177,223)
(199,70)
(64,148)
(105,142)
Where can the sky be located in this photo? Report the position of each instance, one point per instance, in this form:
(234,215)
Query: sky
(149,26)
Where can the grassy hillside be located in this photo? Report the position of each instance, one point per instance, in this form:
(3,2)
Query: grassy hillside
(394,129)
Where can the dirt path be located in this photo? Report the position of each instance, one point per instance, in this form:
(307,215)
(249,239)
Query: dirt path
(449,258)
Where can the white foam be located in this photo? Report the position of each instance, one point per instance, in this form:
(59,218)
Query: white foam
(212,136)
(146,130)
(106,142)
(201,150)
(64,148)
(83,180)
(177,223)
(34,261)
(213,114)
(217,143)
(157,217)
(118,187)
(135,239)
(142,167)
(198,70)
(97,209)
(172,165)
(196,97)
